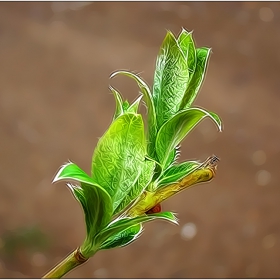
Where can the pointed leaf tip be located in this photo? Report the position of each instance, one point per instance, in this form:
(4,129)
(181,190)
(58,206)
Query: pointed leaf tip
(113,74)
(133,108)
(71,171)
(217,120)
(119,102)
(57,177)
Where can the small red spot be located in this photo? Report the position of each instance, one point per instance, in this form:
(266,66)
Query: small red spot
(155,209)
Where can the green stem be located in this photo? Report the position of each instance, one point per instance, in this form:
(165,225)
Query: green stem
(70,262)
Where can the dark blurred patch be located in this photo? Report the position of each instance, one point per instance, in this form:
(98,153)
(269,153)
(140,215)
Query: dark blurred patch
(23,248)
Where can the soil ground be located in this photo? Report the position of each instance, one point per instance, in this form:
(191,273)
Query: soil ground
(56,58)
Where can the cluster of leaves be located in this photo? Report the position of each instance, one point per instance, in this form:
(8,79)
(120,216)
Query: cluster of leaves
(129,159)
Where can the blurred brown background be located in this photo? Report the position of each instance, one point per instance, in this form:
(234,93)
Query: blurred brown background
(56,58)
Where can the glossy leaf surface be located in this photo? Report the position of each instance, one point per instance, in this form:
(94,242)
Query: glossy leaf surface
(119,156)
(170,80)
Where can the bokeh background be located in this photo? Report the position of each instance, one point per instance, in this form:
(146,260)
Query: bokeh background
(56,58)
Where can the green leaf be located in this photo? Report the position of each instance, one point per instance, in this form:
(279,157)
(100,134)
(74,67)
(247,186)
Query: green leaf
(133,108)
(92,196)
(89,188)
(142,182)
(122,238)
(202,55)
(119,102)
(176,129)
(152,123)
(170,80)
(176,172)
(98,210)
(187,46)
(125,105)
(121,224)
(78,193)
(119,156)
(71,171)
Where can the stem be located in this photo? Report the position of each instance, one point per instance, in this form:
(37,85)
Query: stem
(148,200)
(70,262)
